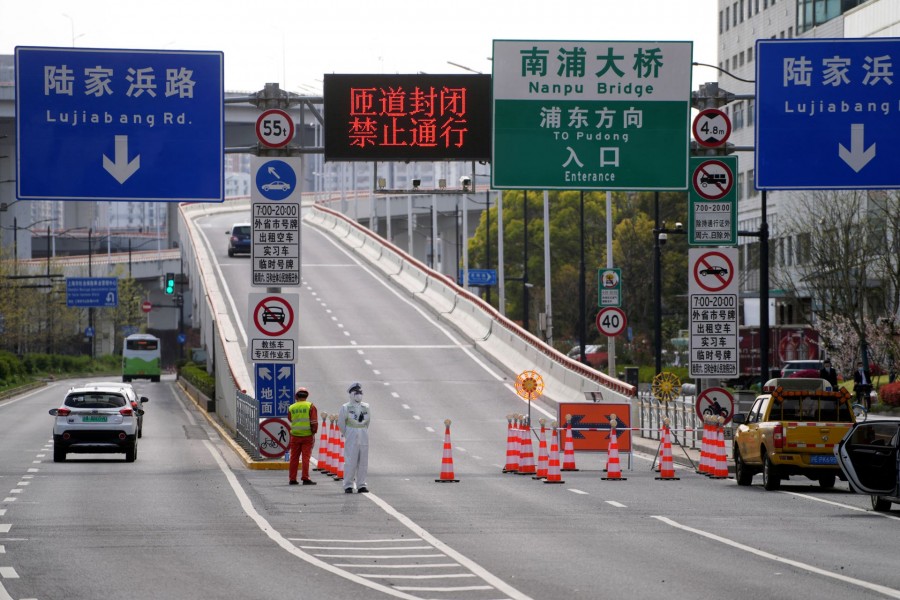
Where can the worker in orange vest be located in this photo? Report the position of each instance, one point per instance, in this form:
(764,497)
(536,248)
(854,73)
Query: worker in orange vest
(304,425)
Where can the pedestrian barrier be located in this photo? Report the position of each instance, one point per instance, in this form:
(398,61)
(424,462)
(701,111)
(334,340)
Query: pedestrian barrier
(512,447)
(543,457)
(526,463)
(721,468)
(447,475)
(613,469)
(569,454)
(322,459)
(666,463)
(553,474)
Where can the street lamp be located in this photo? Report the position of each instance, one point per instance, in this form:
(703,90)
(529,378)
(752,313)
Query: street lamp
(660,236)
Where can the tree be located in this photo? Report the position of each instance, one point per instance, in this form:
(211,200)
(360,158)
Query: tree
(846,258)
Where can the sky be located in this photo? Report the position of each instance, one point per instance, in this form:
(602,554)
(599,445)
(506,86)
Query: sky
(295,42)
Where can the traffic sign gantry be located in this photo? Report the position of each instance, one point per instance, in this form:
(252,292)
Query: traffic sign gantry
(827,113)
(586,115)
(129,125)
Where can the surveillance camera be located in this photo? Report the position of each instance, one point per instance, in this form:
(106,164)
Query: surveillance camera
(465,181)
(678,226)
(662,238)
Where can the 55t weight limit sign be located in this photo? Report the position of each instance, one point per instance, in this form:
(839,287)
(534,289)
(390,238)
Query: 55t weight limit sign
(611,321)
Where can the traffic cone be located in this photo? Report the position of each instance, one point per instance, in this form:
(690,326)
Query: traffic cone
(721,468)
(331,463)
(322,460)
(705,448)
(553,474)
(543,458)
(526,464)
(569,454)
(666,464)
(512,447)
(447,475)
(339,471)
(613,469)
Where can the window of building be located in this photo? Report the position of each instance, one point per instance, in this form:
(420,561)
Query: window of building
(726,64)
(727,17)
(751,183)
(737,119)
(750,54)
(721,23)
(742,11)
(790,32)
(751,109)
(734,14)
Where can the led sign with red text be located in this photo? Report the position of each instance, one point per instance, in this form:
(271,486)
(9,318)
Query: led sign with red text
(407,117)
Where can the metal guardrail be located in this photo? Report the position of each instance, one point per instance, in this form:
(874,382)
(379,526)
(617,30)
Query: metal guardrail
(683,419)
(247,424)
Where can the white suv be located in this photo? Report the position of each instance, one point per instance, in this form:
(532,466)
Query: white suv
(95,417)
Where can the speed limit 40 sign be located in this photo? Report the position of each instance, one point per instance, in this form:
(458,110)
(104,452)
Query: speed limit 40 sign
(275,128)
(611,321)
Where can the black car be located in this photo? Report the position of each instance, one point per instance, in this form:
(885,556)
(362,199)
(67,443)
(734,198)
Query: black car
(868,457)
(239,238)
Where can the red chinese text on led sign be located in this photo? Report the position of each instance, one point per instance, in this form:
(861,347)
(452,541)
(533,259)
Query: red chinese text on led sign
(407,117)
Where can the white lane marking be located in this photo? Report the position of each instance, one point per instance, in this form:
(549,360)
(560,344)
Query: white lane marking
(417,417)
(410,566)
(376,371)
(441,576)
(415,307)
(469,588)
(8,573)
(381,556)
(16,491)
(5,527)
(9,499)
(881,589)
(4,595)
(429,429)
(395,395)
(368,362)
(574,491)
(284,543)
(32,470)
(2,511)
(2,549)
(357,548)
(614,503)
(460,448)
(238,321)
(841,505)
(27,395)
(483,573)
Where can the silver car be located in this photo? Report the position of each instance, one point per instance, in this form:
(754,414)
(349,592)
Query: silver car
(95,417)
(868,456)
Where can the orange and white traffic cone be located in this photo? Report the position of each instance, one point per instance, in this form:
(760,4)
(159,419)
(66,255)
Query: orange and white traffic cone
(339,473)
(553,474)
(705,448)
(721,468)
(613,469)
(329,467)
(447,475)
(321,460)
(543,457)
(512,446)
(666,464)
(569,453)
(526,464)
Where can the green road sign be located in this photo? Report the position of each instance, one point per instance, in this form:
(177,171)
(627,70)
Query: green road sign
(712,219)
(591,115)
(609,287)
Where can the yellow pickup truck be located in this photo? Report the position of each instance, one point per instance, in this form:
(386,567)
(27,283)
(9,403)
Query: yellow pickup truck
(792,429)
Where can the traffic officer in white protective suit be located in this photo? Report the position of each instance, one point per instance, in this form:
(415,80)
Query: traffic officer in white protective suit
(353,422)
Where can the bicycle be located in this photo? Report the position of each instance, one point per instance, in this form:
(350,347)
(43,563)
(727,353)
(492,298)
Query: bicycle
(860,412)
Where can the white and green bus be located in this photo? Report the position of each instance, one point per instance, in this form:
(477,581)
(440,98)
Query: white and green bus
(141,358)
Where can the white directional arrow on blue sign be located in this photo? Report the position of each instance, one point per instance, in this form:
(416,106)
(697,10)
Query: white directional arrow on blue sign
(857,156)
(121,168)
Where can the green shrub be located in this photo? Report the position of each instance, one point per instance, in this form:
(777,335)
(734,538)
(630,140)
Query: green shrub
(199,378)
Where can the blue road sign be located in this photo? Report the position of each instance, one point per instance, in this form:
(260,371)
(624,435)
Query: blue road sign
(276,180)
(827,113)
(95,292)
(141,125)
(480,277)
(274,388)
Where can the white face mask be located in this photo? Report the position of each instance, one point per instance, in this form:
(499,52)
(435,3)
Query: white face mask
(357,396)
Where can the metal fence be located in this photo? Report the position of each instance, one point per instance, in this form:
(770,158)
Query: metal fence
(247,424)
(683,420)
